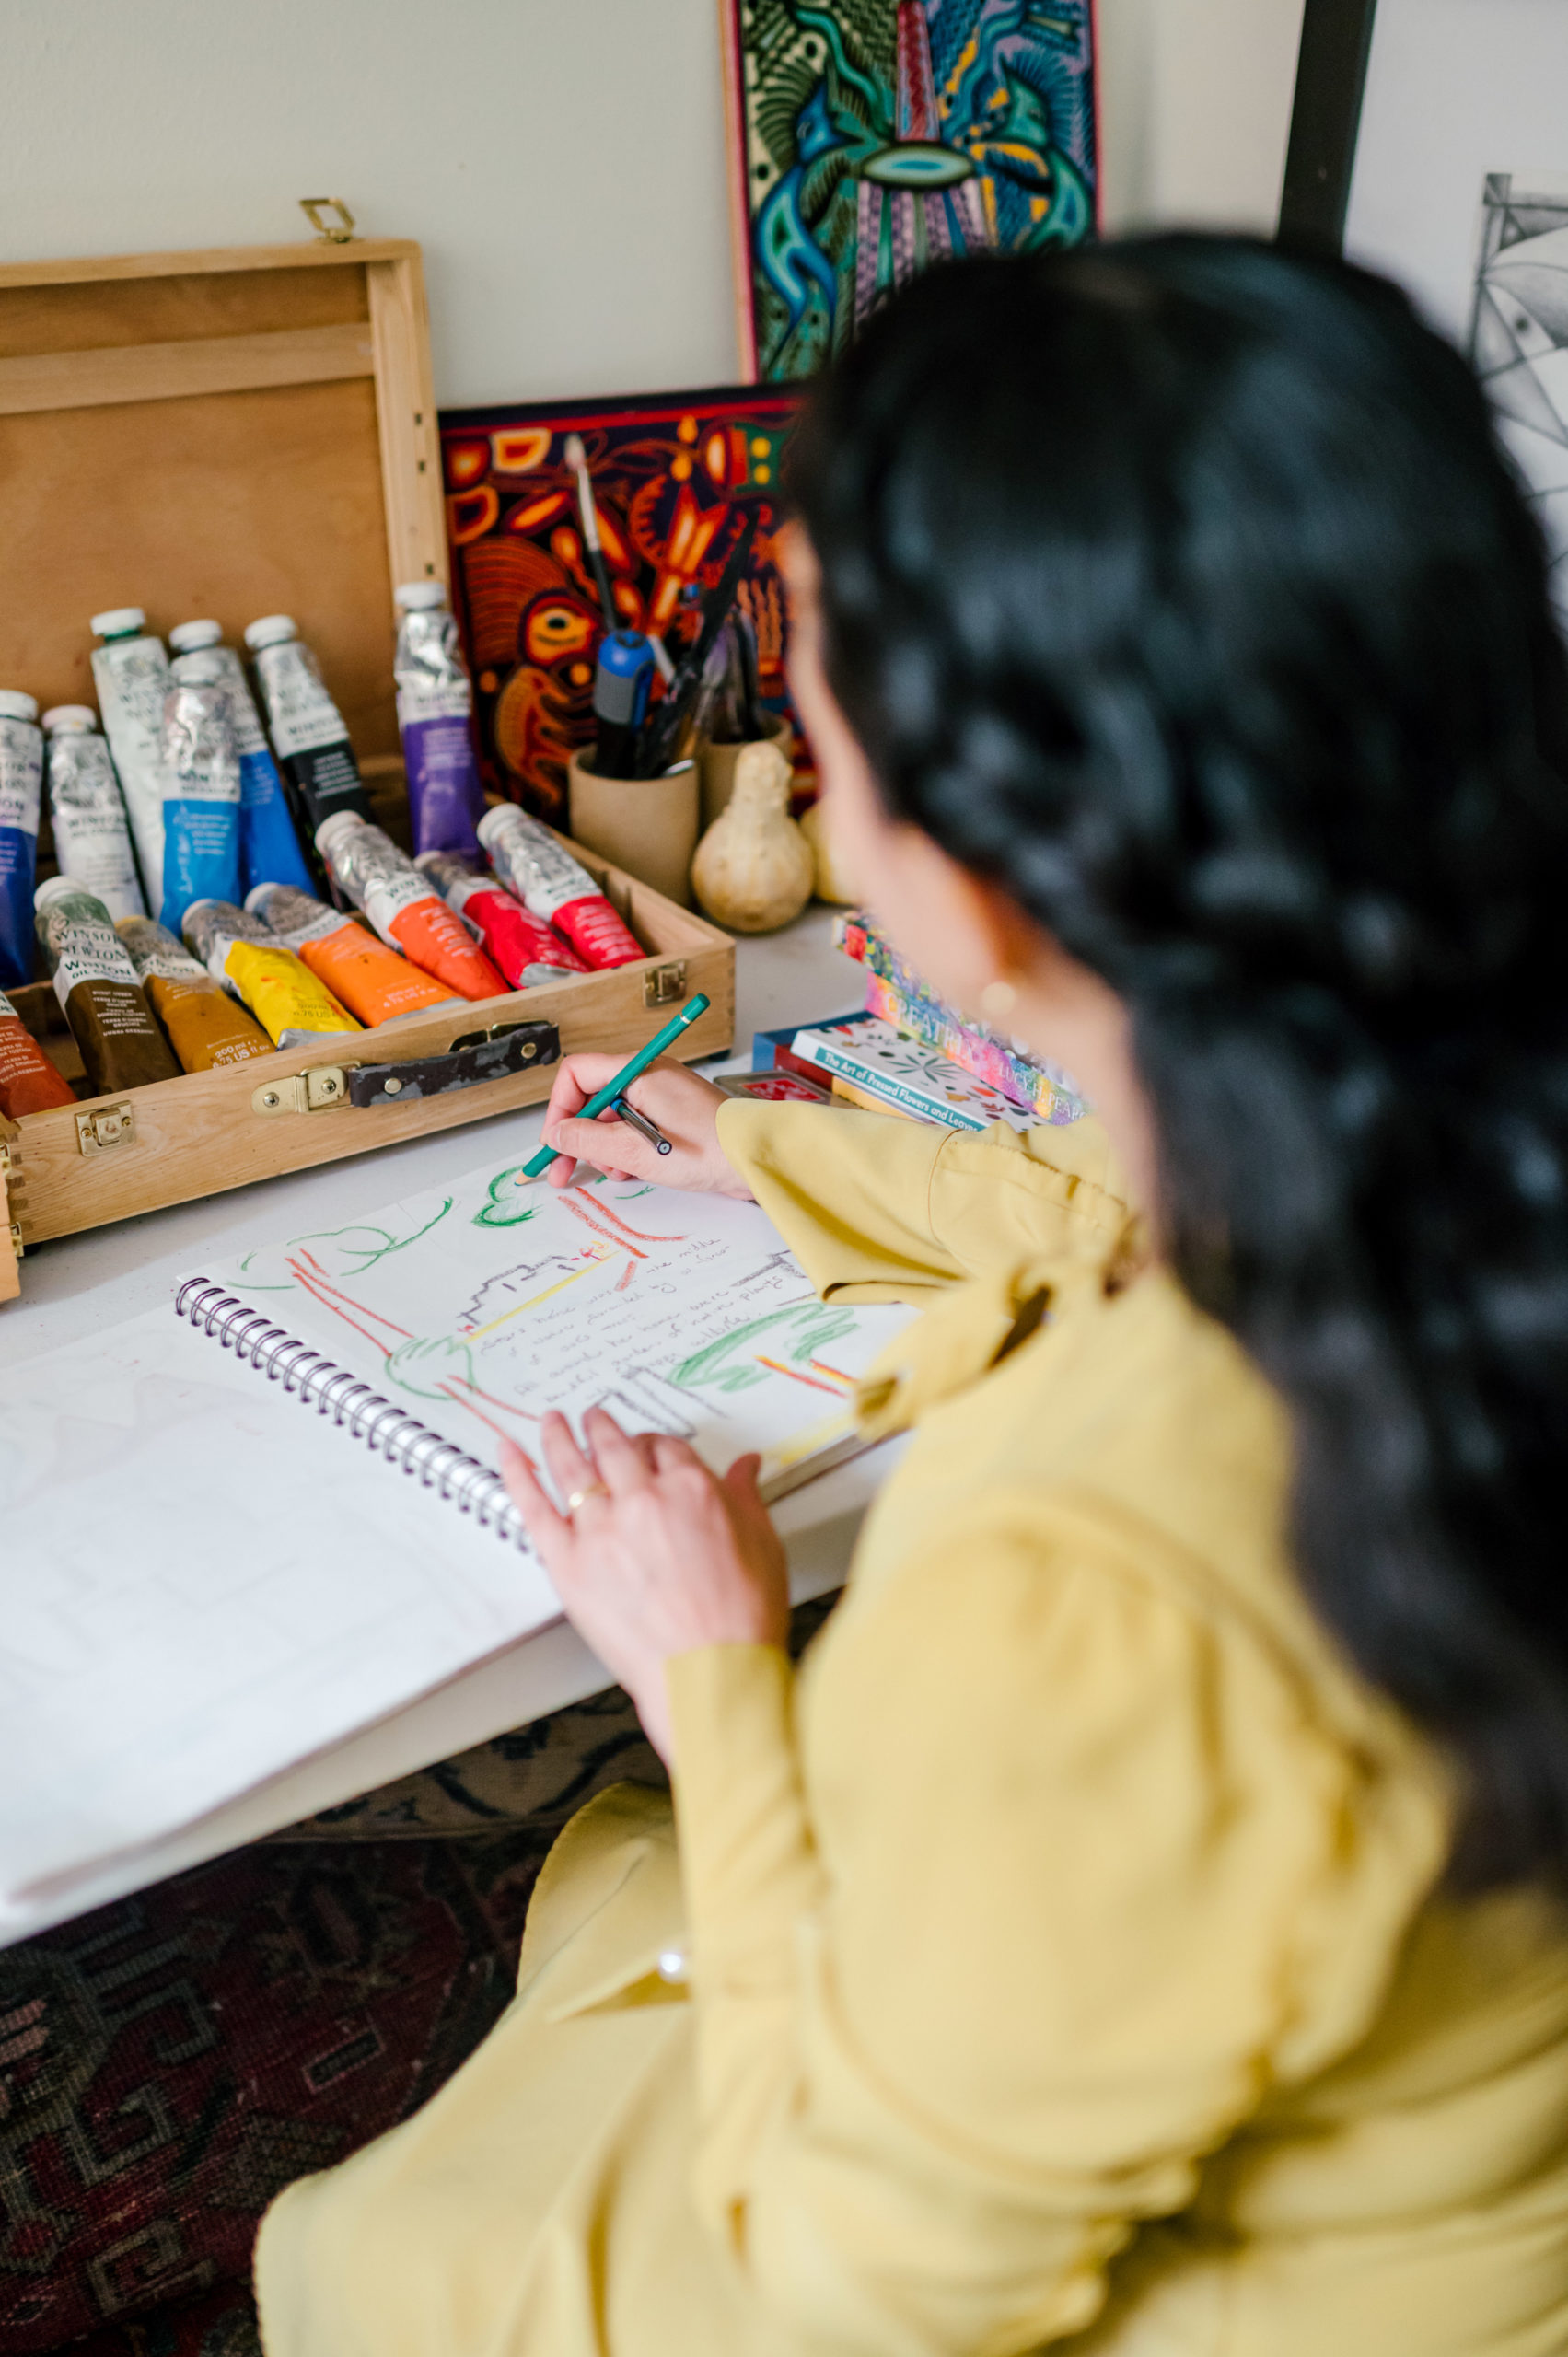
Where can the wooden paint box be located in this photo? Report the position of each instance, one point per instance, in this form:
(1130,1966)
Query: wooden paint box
(233,433)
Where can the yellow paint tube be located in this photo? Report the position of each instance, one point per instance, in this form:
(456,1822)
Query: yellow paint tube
(250,960)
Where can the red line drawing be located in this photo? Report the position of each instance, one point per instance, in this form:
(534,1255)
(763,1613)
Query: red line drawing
(630,1271)
(779,1368)
(589,1221)
(458,1401)
(381,1320)
(641,1234)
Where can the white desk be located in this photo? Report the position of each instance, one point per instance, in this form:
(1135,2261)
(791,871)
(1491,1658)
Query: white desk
(78,1285)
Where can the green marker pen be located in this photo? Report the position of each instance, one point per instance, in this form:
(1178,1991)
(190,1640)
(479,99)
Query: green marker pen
(603,1098)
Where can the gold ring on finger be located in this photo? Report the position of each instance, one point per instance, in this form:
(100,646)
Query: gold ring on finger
(594,1490)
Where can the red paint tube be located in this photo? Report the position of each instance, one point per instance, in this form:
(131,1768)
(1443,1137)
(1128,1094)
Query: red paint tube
(404,906)
(526,949)
(28,1082)
(553,885)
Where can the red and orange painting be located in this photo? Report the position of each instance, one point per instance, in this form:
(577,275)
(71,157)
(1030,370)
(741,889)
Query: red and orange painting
(675,477)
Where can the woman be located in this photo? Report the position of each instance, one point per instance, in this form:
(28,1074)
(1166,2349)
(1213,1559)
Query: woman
(1141,1927)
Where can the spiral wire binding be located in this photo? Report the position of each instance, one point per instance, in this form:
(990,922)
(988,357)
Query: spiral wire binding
(355,1407)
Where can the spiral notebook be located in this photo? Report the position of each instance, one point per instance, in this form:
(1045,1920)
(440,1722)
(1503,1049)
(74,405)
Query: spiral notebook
(212,1583)
(434,1326)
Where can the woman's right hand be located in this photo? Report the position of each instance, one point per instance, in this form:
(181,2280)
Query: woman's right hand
(679,1101)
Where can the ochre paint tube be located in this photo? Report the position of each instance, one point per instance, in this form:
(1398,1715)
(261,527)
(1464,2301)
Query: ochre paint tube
(205,1027)
(404,907)
(249,959)
(526,950)
(556,887)
(21,793)
(96,984)
(28,1082)
(373,981)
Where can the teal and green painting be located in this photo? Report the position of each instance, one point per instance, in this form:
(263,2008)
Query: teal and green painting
(871,137)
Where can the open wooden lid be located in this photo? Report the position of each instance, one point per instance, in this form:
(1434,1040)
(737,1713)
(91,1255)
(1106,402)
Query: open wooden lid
(235,432)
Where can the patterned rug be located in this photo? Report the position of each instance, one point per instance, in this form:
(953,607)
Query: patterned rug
(168,2063)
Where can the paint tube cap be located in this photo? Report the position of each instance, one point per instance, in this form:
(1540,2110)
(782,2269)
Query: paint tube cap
(270,630)
(497,821)
(199,668)
(15,705)
(332,830)
(186,637)
(67,718)
(119,621)
(52,888)
(420,596)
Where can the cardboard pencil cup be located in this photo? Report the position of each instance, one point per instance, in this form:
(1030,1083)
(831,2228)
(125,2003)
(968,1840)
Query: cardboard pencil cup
(717,764)
(647,826)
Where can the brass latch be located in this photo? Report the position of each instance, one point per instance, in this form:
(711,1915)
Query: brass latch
(100,1133)
(335,233)
(665,984)
(303,1092)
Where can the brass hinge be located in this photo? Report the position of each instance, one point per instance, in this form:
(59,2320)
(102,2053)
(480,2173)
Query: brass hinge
(665,984)
(333,233)
(303,1092)
(99,1132)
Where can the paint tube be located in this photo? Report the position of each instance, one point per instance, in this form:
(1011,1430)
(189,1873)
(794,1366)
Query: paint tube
(205,1027)
(87,811)
(21,776)
(308,730)
(28,1082)
(373,981)
(201,791)
(435,722)
(252,963)
(96,984)
(269,847)
(132,674)
(404,907)
(526,950)
(555,886)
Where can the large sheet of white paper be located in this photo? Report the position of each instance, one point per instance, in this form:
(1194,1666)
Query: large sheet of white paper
(235,1582)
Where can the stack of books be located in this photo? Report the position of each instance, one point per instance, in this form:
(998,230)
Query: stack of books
(908,1052)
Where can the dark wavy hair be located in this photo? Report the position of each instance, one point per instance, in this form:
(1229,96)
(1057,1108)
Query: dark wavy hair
(1179,586)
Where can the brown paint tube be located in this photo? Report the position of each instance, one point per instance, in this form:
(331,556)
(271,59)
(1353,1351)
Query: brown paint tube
(96,984)
(28,1082)
(205,1027)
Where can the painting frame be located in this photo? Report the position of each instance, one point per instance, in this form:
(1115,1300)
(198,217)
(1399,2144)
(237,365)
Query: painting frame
(945,144)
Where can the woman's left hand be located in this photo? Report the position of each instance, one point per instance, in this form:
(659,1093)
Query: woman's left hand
(656,1557)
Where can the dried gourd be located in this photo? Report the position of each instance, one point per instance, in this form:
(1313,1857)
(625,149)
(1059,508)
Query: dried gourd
(754,870)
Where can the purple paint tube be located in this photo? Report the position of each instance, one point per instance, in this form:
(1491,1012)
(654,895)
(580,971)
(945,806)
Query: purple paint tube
(435,717)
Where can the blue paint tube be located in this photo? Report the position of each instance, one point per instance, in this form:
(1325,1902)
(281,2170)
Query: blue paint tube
(201,799)
(269,848)
(435,720)
(21,780)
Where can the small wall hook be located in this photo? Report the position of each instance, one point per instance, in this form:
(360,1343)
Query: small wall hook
(335,233)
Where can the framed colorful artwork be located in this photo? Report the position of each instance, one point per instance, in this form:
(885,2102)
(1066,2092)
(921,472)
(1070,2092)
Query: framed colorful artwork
(868,137)
(675,476)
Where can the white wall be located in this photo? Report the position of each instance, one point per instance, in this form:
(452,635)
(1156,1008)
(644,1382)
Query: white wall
(562,161)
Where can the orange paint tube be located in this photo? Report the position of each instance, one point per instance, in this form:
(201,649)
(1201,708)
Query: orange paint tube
(28,1082)
(376,984)
(403,905)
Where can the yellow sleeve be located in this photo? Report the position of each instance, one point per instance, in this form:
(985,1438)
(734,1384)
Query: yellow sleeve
(875,1208)
(1044,1924)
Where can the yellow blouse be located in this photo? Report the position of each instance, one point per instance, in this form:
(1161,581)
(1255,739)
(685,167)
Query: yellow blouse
(1058,1957)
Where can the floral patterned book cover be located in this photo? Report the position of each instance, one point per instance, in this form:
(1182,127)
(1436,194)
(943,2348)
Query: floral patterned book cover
(909,1076)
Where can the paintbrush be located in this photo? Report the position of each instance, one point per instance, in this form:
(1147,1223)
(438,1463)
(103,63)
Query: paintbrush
(577,460)
(666,723)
